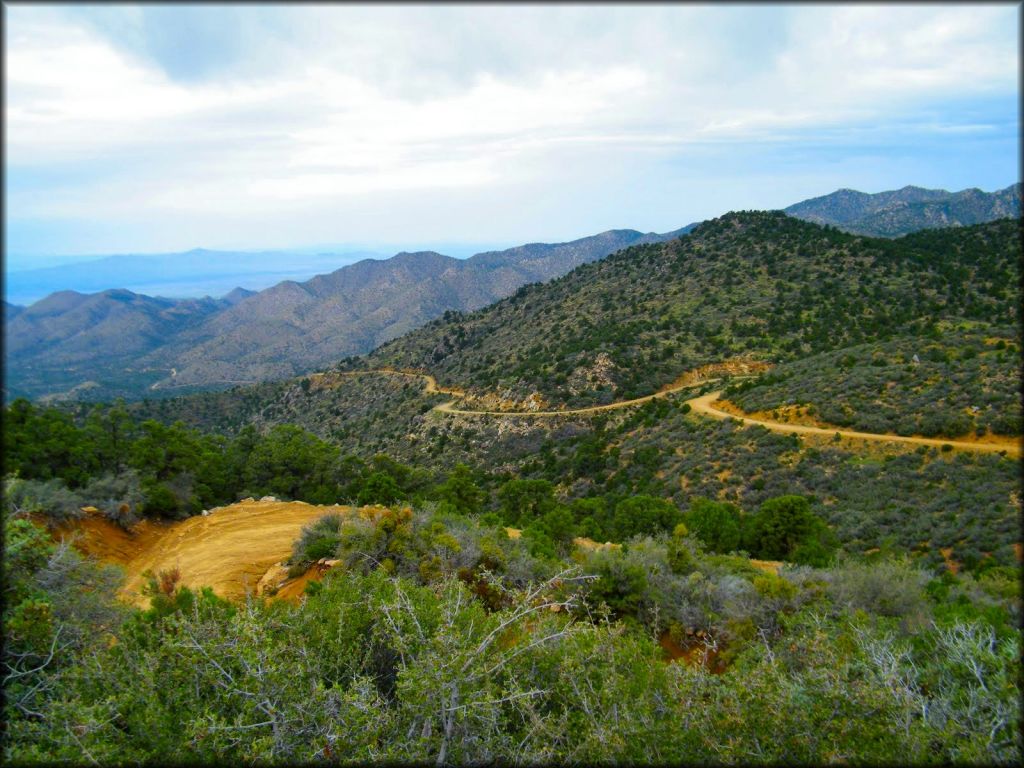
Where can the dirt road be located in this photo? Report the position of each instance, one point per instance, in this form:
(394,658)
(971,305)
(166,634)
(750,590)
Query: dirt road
(432,387)
(705,405)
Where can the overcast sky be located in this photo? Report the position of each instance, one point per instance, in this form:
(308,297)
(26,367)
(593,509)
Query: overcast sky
(135,129)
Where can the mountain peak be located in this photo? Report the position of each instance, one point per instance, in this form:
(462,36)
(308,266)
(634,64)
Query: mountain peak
(897,212)
(237,295)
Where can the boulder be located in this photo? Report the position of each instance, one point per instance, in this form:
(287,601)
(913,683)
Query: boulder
(268,498)
(275,576)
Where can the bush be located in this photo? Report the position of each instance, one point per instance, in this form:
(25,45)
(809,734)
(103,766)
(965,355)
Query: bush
(892,588)
(119,497)
(380,488)
(620,584)
(786,529)
(52,498)
(160,501)
(641,515)
(717,524)
(318,539)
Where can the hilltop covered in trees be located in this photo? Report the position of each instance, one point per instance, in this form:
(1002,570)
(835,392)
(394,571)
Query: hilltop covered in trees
(757,285)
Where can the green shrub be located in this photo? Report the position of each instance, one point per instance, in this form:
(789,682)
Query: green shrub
(785,529)
(717,524)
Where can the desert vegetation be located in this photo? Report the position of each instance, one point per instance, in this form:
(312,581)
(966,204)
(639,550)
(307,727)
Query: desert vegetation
(441,638)
(951,382)
(752,284)
(641,584)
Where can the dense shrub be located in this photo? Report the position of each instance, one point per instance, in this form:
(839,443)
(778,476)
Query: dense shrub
(785,529)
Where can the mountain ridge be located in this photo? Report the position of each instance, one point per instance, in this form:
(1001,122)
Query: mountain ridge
(282,330)
(892,213)
(294,327)
(752,284)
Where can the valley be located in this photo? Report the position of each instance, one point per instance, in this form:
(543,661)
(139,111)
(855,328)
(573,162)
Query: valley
(307,462)
(764,438)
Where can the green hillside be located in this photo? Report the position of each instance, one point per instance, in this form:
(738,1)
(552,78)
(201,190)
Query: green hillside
(963,381)
(864,593)
(941,295)
(757,285)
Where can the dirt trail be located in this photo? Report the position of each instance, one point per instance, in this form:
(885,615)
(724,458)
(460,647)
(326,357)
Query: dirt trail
(432,387)
(228,550)
(705,405)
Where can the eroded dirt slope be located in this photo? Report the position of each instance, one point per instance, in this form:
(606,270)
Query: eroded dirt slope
(228,550)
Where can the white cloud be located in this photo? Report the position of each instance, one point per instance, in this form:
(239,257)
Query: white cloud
(323,104)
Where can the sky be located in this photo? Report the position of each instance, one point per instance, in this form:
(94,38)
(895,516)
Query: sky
(134,129)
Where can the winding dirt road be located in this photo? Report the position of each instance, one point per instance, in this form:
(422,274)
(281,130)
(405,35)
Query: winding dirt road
(432,387)
(235,546)
(705,405)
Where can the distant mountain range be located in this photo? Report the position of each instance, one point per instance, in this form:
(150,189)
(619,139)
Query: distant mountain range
(899,212)
(119,343)
(192,273)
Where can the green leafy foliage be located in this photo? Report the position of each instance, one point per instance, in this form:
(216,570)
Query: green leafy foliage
(443,639)
(786,529)
(716,524)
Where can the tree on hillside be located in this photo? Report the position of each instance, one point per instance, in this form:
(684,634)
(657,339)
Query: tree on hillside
(460,494)
(525,500)
(786,529)
(289,461)
(380,488)
(111,431)
(715,523)
(640,515)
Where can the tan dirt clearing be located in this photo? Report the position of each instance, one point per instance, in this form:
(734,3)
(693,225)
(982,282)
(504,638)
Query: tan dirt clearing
(229,550)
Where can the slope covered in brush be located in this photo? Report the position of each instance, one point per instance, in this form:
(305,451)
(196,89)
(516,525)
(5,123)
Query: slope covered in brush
(756,285)
(953,382)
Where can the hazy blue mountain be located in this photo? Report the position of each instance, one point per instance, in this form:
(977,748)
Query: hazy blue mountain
(195,273)
(898,212)
(68,339)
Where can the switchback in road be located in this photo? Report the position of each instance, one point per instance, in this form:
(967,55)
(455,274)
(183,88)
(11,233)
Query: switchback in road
(703,405)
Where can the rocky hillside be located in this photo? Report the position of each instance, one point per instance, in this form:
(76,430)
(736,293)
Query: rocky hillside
(898,212)
(282,331)
(757,285)
(70,339)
